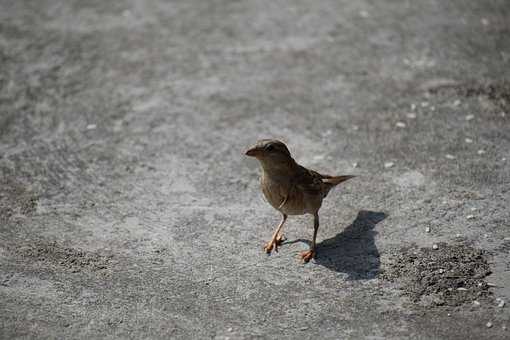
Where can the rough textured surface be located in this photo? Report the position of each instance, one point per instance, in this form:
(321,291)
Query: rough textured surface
(129,211)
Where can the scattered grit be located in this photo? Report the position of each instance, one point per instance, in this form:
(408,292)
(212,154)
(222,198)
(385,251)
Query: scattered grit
(449,275)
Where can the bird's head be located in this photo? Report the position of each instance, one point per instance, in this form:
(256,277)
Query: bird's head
(271,153)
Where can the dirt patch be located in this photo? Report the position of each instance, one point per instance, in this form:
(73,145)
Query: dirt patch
(450,275)
(496,92)
(15,199)
(71,259)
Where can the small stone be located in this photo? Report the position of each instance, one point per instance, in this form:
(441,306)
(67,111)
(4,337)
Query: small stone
(388,165)
(473,209)
(470,217)
(503,328)
(461,289)
(427,230)
(476,303)
(502,114)
(424,104)
(450,156)
(488,324)
(303,328)
(355,164)
(355,127)
(441,271)
(501,303)
(490,284)
(503,159)
(468,140)
(484,21)
(458,235)
(413,107)
(363,14)
(449,314)
(91,127)
(411,115)
(432,108)
(480,152)
(401,124)
(456,103)
(230,329)
(470,117)
(435,246)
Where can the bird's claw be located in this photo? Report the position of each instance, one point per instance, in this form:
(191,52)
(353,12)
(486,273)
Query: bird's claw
(306,256)
(269,247)
(274,244)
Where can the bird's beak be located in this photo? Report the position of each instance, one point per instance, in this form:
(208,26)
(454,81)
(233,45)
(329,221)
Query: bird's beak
(252,152)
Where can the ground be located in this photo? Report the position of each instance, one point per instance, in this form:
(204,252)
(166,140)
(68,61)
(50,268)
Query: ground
(128,208)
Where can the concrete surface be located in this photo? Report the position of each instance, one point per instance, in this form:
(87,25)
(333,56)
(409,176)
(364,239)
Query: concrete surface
(127,208)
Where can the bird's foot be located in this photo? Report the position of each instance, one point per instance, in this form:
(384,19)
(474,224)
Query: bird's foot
(274,244)
(306,256)
(268,248)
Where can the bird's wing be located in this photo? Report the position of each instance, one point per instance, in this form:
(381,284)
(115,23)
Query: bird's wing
(308,181)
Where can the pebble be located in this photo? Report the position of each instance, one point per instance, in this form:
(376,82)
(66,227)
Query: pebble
(458,235)
(413,107)
(476,303)
(480,152)
(363,14)
(462,289)
(91,127)
(501,302)
(470,217)
(355,127)
(427,229)
(503,327)
(456,103)
(488,324)
(468,140)
(411,115)
(388,165)
(230,329)
(470,117)
(503,159)
(441,271)
(355,164)
(484,22)
(401,124)
(450,156)
(435,246)
(503,114)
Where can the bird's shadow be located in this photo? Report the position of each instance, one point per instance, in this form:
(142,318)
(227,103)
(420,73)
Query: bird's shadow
(352,251)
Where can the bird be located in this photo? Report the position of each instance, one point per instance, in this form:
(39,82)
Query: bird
(291,188)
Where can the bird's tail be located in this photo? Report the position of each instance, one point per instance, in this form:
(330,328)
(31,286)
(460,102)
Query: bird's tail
(335,180)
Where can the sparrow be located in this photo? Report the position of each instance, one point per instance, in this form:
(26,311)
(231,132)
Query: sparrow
(291,188)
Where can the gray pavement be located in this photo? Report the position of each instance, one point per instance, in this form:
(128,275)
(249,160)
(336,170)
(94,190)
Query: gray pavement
(127,208)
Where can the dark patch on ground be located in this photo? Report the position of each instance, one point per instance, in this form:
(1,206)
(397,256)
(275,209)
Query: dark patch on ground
(496,92)
(70,259)
(450,275)
(15,199)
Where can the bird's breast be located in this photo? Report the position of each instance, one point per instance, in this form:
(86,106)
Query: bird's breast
(277,192)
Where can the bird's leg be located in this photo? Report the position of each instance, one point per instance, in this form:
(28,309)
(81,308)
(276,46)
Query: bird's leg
(308,255)
(277,238)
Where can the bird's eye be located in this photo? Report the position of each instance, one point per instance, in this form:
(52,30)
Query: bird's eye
(270,147)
